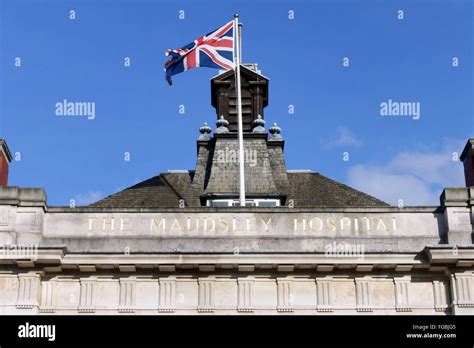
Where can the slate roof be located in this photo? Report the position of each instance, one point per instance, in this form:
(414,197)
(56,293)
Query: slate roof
(315,190)
(155,192)
(306,189)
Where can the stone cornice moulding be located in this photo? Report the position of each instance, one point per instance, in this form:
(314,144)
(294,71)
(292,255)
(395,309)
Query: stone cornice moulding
(23,197)
(456,197)
(57,258)
(451,254)
(282,209)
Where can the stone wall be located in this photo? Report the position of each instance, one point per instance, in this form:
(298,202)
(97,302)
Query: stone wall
(252,260)
(231,293)
(224,171)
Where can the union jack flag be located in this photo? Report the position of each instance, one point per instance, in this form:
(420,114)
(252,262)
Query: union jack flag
(213,50)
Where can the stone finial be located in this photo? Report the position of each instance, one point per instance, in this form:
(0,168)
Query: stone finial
(205,131)
(275,133)
(222,125)
(258,125)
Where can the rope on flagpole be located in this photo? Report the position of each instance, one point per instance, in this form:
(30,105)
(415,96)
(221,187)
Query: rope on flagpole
(240,41)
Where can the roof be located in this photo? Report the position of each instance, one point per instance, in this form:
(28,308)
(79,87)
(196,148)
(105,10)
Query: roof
(469,146)
(315,190)
(306,190)
(155,192)
(228,78)
(6,150)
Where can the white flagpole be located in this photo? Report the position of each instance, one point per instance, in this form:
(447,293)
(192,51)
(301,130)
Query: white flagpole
(239,110)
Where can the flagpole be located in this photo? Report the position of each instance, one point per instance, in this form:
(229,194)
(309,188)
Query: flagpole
(239,111)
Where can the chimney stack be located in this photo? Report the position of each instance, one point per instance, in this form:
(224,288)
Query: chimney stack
(5,159)
(467,157)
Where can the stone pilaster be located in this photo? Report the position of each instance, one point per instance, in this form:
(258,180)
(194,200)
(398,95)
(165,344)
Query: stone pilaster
(87,295)
(462,292)
(363,294)
(29,289)
(285,295)
(167,295)
(440,296)
(246,295)
(402,298)
(206,295)
(127,299)
(48,296)
(324,295)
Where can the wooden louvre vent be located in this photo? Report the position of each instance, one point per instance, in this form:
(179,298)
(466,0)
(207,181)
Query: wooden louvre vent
(254,97)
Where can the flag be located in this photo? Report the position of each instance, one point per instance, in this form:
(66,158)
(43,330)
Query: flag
(213,50)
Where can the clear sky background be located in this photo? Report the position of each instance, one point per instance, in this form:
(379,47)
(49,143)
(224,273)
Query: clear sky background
(337,108)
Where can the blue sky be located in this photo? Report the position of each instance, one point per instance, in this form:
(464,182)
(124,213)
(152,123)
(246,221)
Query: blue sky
(337,108)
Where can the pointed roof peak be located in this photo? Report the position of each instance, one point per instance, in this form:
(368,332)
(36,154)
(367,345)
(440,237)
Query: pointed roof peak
(250,69)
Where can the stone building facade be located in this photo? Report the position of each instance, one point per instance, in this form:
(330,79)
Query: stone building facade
(176,243)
